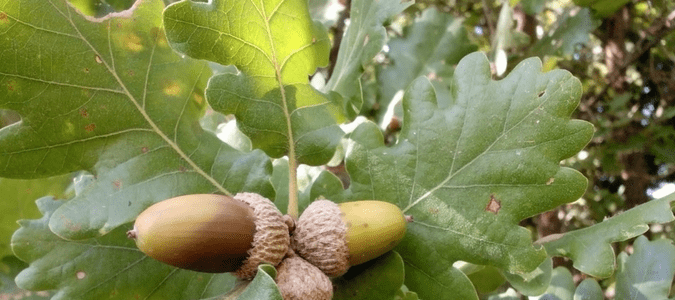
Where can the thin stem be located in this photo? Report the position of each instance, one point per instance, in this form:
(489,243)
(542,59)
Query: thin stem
(292,185)
(292,160)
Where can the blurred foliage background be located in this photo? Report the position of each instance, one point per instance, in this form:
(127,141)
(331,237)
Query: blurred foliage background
(623,51)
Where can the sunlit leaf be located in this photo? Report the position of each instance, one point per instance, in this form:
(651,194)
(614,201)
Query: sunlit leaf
(110,96)
(276,46)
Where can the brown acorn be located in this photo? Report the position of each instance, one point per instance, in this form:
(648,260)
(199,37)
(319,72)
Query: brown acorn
(334,237)
(297,279)
(213,233)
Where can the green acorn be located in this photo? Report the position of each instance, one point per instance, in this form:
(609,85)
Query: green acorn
(213,233)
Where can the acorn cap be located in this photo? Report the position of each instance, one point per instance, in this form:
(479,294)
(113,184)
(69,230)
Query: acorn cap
(297,279)
(271,239)
(320,237)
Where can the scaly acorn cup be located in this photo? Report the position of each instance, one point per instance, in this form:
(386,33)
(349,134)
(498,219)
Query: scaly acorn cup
(334,237)
(213,233)
(297,279)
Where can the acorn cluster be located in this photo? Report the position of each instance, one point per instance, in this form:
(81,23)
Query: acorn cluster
(218,234)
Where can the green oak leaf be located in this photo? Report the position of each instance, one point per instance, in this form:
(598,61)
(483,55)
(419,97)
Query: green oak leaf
(364,38)
(589,289)
(648,272)
(487,279)
(590,248)
(561,287)
(276,46)
(112,99)
(18,202)
(470,169)
(533,283)
(432,46)
(261,287)
(379,279)
(108,267)
(602,8)
(571,31)
(99,8)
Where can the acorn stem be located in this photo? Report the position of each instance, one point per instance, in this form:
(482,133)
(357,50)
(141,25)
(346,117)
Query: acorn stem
(292,209)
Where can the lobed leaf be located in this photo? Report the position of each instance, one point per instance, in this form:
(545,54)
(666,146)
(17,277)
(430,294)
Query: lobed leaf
(364,38)
(590,248)
(648,272)
(109,267)
(276,47)
(109,96)
(432,46)
(18,202)
(533,283)
(469,169)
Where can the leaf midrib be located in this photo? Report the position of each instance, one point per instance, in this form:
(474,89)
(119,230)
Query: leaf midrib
(292,160)
(135,102)
(487,149)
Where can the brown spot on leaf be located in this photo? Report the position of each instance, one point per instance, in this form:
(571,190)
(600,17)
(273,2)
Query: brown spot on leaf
(3,17)
(433,210)
(98,59)
(10,85)
(182,169)
(117,184)
(86,70)
(172,88)
(90,127)
(130,73)
(542,93)
(144,150)
(133,42)
(198,98)
(494,205)
(84,114)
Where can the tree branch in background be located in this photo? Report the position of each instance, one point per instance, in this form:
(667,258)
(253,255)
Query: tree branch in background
(649,39)
(338,32)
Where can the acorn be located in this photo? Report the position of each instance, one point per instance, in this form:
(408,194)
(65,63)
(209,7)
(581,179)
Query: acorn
(334,237)
(213,233)
(297,279)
